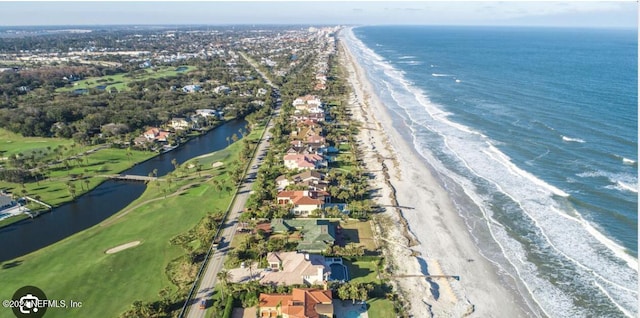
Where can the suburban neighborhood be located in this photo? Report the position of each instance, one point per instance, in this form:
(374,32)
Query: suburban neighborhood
(302,245)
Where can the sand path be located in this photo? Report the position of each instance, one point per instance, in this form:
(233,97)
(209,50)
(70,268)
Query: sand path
(122,247)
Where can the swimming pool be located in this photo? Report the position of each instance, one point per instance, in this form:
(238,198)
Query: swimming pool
(338,272)
(352,314)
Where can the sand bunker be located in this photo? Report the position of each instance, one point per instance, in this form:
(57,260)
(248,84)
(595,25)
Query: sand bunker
(122,247)
(217,164)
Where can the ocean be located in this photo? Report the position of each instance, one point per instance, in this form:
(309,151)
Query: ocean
(534,132)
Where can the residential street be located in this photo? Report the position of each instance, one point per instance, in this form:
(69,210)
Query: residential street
(208,279)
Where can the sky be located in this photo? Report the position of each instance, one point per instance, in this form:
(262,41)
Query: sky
(544,13)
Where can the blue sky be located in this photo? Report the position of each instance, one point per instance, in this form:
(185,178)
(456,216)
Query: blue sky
(568,13)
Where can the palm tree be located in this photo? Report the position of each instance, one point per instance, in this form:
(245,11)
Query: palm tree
(224,277)
(174,162)
(228,143)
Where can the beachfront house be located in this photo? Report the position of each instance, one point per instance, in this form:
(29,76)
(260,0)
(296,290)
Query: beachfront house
(303,202)
(307,177)
(291,268)
(304,102)
(304,161)
(317,234)
(301,303)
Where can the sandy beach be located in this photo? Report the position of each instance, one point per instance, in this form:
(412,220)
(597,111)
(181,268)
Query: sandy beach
(422,230)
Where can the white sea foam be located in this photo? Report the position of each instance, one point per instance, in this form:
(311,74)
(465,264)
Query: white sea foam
(621,186)
(628,161)
(569,139)
(411,62)
(618,181)
(405,57)
(594,255)
(441,75)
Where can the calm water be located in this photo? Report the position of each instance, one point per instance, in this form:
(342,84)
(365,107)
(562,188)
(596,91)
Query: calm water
(534,132)
(105,200)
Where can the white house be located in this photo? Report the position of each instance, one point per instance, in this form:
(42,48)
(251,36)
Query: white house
(307,101)
(208,112)
(304,202)
(223,89)
(181,123)
(191,88)
(290,268)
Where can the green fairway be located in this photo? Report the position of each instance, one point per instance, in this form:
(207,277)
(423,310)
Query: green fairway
(82,174)
(120,81)
(78,269)
(13,144)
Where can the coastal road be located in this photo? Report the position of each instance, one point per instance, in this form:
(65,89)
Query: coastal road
(208,279)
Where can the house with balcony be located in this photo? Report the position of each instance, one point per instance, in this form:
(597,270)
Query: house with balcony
(301,303)
(317,234)
(291,268)
(304,161)
(303,202)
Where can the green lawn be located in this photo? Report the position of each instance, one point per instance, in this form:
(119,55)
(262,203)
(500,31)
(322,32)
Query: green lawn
(11,143)
(362,271)
(77,268)
(55,190)
(380,308)
(366,272)
(359,232)
(120,81)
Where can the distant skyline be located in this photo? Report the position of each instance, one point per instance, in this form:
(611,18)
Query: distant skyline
(563,13)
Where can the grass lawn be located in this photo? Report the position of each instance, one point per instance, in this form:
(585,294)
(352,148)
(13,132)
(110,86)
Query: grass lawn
(359,232)
(77,268)
(55,190)
(120,81)
(343,159)
(380,308)
(362,271)
(11,143)
(366,272)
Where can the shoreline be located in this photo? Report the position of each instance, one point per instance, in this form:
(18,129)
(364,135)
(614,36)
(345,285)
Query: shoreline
(436,239)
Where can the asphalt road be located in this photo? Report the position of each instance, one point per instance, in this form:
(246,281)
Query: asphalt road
(208,278)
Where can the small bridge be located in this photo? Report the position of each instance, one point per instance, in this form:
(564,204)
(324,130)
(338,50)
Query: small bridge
(131,177)
(39,202)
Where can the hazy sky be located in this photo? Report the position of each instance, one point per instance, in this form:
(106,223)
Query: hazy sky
(568,13)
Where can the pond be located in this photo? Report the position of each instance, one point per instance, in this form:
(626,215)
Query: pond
(105,200)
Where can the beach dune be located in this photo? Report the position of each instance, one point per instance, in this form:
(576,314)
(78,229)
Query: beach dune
(420,227)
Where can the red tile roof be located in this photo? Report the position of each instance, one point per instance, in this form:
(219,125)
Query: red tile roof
(301,303)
